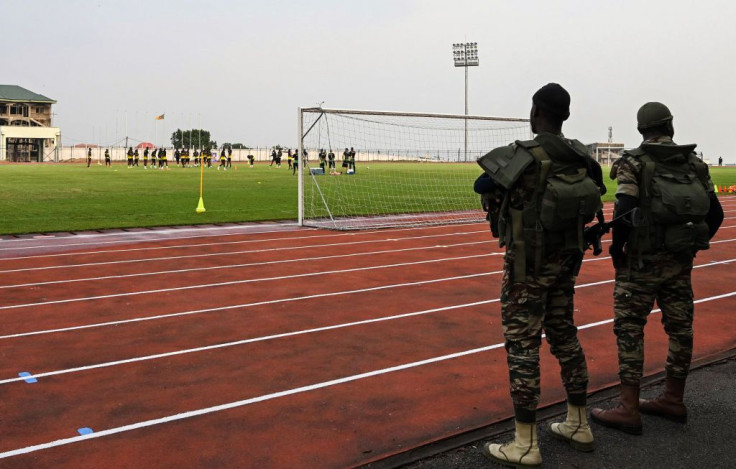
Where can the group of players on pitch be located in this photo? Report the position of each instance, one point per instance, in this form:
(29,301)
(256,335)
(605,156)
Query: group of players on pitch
(326,160)
(159,158)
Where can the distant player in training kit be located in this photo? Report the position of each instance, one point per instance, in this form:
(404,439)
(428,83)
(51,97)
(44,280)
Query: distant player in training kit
(136,157)
(162,159)
(273,157)
(331,161)
(323,160)
(145,158)
(130,157)
(89,157)
(352,158)
(107,157)
(295,166)
(229,157)
(154,162)
(250,159)
(290,158)
(346,158)
(223,160)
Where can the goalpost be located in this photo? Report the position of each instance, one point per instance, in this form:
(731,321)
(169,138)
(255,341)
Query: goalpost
(409,168)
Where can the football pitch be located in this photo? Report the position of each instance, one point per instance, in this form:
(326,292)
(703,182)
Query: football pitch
(38,198)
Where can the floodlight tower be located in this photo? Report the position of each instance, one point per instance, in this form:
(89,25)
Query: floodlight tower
(465,55)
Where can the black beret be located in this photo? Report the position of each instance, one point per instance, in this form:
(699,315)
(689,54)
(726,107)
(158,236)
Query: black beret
(553,99)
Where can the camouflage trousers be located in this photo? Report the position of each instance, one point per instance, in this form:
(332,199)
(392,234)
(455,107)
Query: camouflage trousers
(543,302)
(665,278)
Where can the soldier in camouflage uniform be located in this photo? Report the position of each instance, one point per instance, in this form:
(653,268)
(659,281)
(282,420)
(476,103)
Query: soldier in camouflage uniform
(540,269)
(654,261)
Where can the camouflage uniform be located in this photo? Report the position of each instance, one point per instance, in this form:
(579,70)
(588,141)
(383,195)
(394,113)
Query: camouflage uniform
(660,275)
(541,302)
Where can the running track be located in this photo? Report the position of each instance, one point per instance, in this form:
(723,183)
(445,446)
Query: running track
(270,346)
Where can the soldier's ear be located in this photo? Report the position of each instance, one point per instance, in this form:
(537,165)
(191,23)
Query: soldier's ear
(534,117)
(670,129)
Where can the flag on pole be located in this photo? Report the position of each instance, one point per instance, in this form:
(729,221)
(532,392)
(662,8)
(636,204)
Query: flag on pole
(160,118)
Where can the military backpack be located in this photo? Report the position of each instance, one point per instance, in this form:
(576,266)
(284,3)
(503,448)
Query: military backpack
(674,200)
(565,199)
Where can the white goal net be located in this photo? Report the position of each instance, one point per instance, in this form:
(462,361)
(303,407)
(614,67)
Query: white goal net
(394,169)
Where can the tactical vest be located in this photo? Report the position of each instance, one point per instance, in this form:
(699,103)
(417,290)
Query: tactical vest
(673,197)
(565,199)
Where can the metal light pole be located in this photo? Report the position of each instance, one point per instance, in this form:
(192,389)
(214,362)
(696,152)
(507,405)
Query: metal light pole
(465,55)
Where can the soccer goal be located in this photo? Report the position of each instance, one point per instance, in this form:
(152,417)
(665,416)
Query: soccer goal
(394,169)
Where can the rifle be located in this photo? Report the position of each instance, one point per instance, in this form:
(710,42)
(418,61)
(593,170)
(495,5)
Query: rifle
(491,202)
(592,234)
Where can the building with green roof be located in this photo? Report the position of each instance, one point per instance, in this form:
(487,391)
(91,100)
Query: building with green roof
(26,126)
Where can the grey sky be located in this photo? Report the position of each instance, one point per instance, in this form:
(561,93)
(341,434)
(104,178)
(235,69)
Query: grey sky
(241,68)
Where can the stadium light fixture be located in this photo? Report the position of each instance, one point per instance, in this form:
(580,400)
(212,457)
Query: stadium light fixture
(465,55)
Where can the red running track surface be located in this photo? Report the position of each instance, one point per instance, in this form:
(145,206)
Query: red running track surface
(273,346)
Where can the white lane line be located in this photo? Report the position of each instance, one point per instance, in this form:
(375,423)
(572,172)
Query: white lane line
(229,253)
(228,266)
(160,248)
(289,334)
(243,342)
(136,236)
(240,282)
(234,266)
(133,237)
(250,305)
(189,245)
(194,246)
(262,303)
(276,395)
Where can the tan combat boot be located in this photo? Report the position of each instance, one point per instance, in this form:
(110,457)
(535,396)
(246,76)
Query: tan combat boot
(669,403)
(625,416)
(575,429)
(522,452)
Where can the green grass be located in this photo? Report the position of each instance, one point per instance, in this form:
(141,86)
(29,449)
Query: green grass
(71,197)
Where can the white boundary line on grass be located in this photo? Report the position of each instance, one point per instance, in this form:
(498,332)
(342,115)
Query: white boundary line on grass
(289,392)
